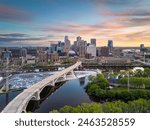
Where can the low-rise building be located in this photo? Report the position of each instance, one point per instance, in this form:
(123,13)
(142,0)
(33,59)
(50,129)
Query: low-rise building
(42,56)
(30,59)
(104,51)
(91,49)
(6,55)
(54,57)
(114,61)
(89,61)
(65,59)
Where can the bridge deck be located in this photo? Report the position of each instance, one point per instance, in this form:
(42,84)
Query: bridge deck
(18,103)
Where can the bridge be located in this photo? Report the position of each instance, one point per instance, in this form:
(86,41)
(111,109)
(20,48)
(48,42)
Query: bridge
(142,62)
(20,102)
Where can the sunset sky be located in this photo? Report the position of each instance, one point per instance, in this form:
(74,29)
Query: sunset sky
(41,22)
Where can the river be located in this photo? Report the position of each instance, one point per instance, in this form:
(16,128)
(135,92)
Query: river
(70,93)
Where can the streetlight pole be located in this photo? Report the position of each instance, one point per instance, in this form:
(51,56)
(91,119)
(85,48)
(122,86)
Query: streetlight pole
(7,84)
(144,58)
(128,82)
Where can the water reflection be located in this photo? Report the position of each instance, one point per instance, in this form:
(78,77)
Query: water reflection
(46,92)
(7,98)
(69,93)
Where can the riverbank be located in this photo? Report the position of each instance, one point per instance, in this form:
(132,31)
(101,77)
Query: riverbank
(136,106)
(111,100)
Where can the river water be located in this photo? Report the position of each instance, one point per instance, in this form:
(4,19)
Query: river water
(70,93)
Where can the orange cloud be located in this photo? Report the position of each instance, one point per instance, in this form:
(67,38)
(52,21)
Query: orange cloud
(120,29)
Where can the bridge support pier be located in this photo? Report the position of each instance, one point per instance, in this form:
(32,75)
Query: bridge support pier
(37,95)
(64,76)
(72,73)
(53,83)
(24,111)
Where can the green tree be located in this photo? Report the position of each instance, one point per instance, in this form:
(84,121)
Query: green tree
(110,107)
(92,88)
(54,111)
(139,106)
(92,78)
(136,82)
(49,62)
(147,72)
(66,109)
(138,73)
(99,80)
(88,108)
(136,106)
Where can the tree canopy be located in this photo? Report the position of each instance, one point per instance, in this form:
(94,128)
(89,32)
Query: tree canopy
(136,106)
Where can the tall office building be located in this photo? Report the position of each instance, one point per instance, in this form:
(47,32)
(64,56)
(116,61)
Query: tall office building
(79,39)
(67,45)
(53,47)
(141,47)
(110,45)
(82,48)
(66,39)
(77,44)
(74,46)
(93,42)
(60,46)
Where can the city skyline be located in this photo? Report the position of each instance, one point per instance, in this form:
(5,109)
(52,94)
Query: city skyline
(41,22)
